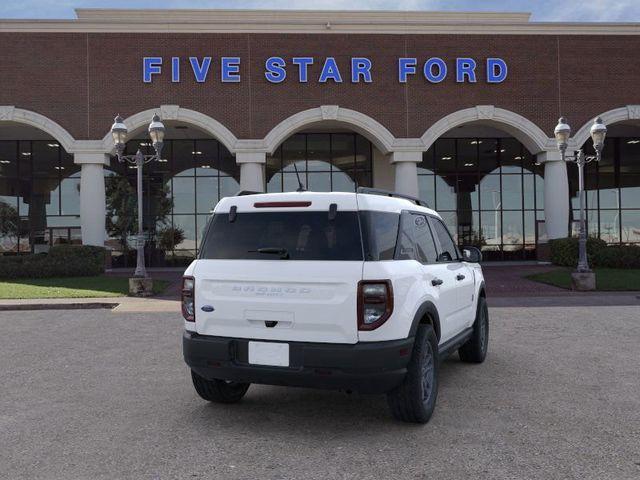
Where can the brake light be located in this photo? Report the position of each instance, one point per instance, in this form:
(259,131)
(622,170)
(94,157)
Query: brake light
(281,204)
(188,299)
(375,303)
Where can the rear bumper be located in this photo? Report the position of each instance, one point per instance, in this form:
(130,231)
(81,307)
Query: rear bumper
(373,367)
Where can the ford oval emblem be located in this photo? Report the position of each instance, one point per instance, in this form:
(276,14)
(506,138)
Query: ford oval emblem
(207,308)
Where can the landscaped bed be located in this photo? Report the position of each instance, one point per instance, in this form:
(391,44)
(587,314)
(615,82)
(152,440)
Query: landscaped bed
(607,279)
(70,287)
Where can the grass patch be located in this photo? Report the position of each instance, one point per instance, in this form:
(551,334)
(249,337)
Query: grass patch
(607,279)
(71,287)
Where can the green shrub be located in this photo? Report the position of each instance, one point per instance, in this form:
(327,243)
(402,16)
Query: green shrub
(564,251)
(618,256)
(61,261)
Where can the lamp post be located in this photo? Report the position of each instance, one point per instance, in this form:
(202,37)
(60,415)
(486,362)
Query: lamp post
(562,133)
(119,133)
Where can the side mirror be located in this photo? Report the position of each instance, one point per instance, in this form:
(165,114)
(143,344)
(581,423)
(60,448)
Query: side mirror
(471,254)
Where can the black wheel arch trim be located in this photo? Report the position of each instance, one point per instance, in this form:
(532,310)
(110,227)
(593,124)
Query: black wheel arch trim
(427,308)
(482,290)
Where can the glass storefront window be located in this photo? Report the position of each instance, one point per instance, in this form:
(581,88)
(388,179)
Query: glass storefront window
(426,187)
(490,190)
(207,194)
(70,195)
(610,226)
(319,181)
(183,189)
(8,159)
(39,195)
(490,193)
(630,191)
(194,175)
(325,162)
(512,230)
(630,224)
(511,156)
(445,155)
(612,189)
(445,195)
(318,148)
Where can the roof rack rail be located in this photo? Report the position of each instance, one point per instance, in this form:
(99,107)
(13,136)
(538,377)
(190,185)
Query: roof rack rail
(388,193)
(242,193)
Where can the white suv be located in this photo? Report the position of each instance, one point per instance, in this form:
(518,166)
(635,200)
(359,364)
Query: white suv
(353,291)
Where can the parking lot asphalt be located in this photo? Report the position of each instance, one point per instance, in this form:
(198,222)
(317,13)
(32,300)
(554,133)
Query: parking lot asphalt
(104,395)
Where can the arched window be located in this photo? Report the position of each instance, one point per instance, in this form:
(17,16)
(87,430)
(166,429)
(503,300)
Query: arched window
(194,175)
(325,161)
(39,195)
(489,191)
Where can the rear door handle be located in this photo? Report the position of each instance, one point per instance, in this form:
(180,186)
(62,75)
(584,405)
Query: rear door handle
(460,277)
(436,281)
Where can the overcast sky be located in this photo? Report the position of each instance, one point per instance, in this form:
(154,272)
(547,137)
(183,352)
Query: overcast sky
(543,10)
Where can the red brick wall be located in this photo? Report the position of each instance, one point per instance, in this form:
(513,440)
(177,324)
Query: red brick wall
(82,80)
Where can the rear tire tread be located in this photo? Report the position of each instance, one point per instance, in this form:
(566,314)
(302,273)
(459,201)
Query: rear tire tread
(218,391)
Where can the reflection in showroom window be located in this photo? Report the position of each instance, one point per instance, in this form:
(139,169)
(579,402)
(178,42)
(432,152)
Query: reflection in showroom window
(489,192)
(326,162)
(39,196)
(180,191)
(612,189)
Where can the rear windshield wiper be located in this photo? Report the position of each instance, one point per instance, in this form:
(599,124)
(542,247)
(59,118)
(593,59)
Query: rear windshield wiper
(284,254)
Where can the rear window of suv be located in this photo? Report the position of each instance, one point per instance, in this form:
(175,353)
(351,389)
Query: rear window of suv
(284,235)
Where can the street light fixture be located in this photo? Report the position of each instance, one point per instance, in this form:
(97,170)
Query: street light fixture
(598,133)
(119,133)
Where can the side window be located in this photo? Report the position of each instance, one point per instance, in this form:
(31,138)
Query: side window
(415,241)
(449,250)
(379,234)
(425,246)
(406,248)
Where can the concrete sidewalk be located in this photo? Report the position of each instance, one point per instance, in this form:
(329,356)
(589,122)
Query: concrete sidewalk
(116,304)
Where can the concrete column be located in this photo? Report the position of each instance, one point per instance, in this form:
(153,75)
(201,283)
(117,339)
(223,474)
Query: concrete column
(383,171)
(556,194)
(251,170)
(92,197)
(406,169)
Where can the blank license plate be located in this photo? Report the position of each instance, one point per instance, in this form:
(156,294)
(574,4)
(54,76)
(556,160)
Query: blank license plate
(269,353)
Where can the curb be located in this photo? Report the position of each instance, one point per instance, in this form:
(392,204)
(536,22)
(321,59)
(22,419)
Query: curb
(57,306)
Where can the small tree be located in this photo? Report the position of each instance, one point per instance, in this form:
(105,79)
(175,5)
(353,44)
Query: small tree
(9,221)
(122,209)
(169,237)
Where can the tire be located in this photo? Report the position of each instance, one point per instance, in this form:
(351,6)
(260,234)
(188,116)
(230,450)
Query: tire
(475,349)
(415,398)
(219,391)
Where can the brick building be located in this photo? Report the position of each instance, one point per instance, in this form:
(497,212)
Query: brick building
(457,108)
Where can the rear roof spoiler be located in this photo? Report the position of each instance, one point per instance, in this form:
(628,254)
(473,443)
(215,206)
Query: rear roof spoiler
(366,190)
(388,193)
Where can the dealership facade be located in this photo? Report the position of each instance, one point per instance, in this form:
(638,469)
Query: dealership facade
(455,108)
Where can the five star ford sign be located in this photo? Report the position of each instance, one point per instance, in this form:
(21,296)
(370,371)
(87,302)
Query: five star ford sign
(361,69)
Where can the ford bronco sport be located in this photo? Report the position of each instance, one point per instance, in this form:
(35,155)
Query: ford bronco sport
(358,291)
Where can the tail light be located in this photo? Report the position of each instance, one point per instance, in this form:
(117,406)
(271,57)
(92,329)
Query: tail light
(375,303)
(188,299)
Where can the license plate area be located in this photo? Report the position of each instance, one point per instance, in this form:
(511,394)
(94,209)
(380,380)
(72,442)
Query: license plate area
(269,353)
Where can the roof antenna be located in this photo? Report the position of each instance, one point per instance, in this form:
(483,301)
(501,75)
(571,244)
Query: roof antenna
(300,186)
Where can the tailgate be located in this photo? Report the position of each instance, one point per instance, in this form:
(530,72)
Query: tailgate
(309,301)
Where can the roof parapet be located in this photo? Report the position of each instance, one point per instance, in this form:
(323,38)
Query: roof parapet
(298,16)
